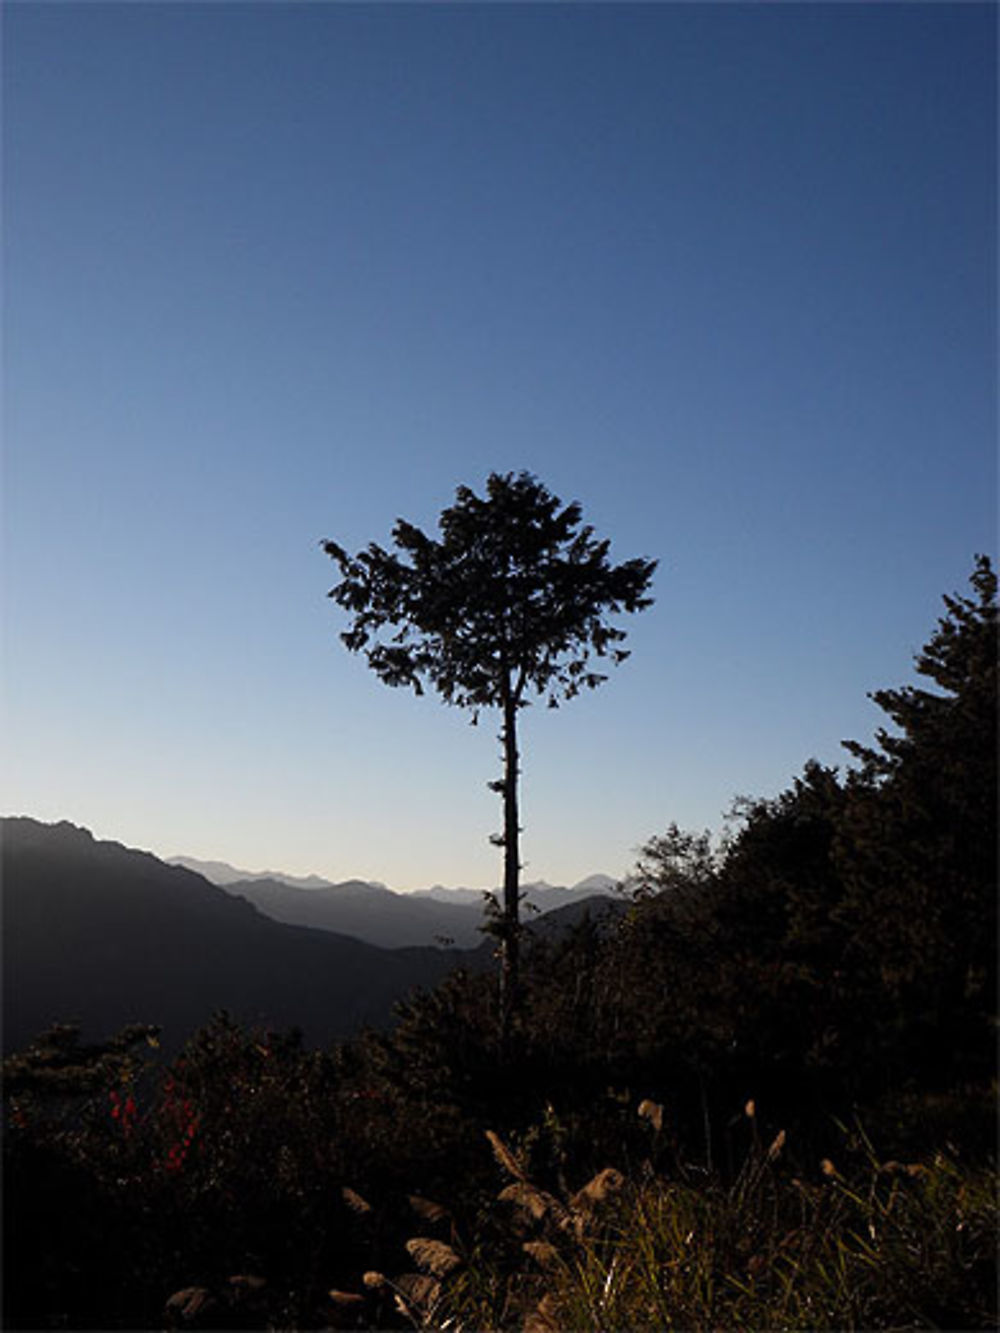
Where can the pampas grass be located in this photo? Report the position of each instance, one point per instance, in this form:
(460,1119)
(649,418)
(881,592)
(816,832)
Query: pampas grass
(603,1187)
(433,1255)
(893,1245)
(428,1209)
(505,1157)
(651,1111)
(355,1202)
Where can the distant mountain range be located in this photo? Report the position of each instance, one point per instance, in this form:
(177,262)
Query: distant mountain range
(369,911)
(222,873)
(106,935)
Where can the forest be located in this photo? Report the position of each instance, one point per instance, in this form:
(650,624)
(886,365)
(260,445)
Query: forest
(761,1093)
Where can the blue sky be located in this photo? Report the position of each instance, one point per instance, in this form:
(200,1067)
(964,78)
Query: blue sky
(724,274)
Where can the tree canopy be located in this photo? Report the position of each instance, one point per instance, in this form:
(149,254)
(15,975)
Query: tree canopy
(511,599)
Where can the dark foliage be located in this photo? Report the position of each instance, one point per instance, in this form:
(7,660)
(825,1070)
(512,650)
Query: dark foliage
(833,961)
(919,855)
(511,599)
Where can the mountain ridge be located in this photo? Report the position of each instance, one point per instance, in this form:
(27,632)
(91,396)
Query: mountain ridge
(223,874)
(105,935)
(395,920)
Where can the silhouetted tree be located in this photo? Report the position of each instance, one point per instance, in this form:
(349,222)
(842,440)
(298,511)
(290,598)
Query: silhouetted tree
(919,850)
(510,600)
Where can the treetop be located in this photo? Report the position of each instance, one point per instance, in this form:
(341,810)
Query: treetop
(512,596)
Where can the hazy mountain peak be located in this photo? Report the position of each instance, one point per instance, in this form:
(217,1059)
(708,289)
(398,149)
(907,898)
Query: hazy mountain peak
(224,874)
(597,883)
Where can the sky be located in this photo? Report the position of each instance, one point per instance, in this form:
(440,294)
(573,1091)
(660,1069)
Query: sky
(724,274)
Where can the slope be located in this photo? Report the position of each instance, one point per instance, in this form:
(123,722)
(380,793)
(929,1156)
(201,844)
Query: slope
(106,935)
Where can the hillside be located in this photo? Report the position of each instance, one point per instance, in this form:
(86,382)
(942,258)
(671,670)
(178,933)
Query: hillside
(373,913)
(104,934)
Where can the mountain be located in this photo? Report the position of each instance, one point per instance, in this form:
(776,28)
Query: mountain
(445,895)
(538,892)
(108,935)
(548,897)
(222,873)
(393,920)
(603,884)
(603,911)
(368,912)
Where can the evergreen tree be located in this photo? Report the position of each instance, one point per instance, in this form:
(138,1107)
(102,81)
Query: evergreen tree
(511,600)
(919,848)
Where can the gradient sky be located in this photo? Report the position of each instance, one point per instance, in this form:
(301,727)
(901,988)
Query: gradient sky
(724,274)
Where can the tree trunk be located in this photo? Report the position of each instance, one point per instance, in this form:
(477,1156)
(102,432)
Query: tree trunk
(511,872)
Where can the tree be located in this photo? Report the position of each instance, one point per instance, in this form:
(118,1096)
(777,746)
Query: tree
(919,850)
(510,601)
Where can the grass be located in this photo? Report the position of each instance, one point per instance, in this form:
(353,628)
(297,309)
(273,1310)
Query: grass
(887,1245)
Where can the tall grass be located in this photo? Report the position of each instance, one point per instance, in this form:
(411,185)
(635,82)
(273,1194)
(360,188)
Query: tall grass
(890,1245)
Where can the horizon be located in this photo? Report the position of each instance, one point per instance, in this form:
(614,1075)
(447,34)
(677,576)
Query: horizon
(377,883)
(725,275)
(189,861)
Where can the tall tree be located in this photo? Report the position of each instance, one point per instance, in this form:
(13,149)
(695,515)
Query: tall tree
(919,850)
(510,601)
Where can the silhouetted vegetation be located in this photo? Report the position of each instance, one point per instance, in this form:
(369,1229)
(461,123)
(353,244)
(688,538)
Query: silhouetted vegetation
(761,1094)
(512,601)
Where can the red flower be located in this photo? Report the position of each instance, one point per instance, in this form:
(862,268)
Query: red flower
(124,1112)
(175,1157)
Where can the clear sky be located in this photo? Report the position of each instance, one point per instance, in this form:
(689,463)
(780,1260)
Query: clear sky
(725,274)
